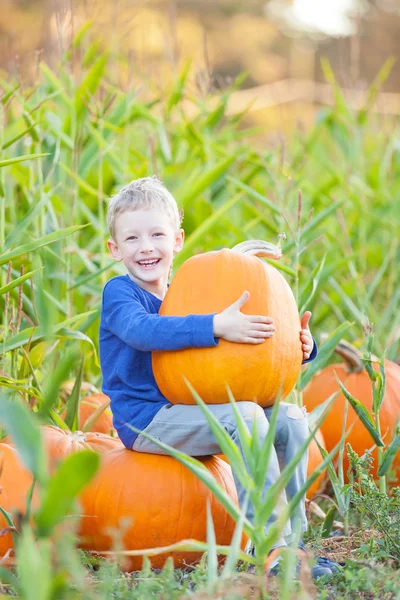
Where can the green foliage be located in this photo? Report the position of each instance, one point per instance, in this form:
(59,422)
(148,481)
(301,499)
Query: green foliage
(377,510)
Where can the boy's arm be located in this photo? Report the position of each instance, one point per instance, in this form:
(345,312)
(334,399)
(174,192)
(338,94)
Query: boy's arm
(125,316)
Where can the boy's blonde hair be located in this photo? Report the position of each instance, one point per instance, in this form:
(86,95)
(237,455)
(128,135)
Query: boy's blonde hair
(144,193)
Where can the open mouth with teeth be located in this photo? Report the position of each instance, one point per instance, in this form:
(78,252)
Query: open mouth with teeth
(149,263)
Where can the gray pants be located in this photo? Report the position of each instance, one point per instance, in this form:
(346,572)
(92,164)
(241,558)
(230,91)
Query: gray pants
(186,429)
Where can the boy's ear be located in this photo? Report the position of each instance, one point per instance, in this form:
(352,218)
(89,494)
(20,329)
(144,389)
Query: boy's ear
(114,250)
(179,239)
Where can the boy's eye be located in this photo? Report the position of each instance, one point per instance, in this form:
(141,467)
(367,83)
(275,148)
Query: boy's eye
(158,233)
(132,237)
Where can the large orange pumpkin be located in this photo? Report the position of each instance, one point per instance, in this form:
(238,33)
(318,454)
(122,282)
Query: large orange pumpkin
(163,501)
(314,461)
(15,481)
(209,283)
(352,374)
(87,406)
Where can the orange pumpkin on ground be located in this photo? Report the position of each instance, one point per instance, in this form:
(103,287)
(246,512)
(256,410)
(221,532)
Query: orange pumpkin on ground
(87,406)
(15,481)
(314,460)
(60,443)
(163,501)
(356,380)
(209,283)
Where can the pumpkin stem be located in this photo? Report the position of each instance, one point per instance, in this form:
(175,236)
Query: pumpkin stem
(78,436)
(258,248)
(350,354)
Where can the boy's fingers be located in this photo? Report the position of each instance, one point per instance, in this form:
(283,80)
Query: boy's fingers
(260,334)
(305,319)
(260,319)
(250,340)
(242,300)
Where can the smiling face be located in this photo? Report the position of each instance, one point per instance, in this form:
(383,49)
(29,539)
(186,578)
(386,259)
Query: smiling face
(146,242)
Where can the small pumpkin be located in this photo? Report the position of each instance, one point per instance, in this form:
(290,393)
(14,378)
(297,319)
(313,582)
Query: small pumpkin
(162,500)
(88,406)
(354,377)
(60,443)
(314,461)
(209,283)
(15,482)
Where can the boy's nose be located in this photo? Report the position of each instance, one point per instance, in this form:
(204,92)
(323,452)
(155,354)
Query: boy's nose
(146,246)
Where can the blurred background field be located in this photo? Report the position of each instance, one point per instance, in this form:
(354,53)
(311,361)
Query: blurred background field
(272,41)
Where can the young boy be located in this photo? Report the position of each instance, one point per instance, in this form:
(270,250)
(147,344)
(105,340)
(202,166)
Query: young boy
(145,228)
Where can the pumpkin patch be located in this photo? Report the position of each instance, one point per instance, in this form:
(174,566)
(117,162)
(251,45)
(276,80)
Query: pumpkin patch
(352,374)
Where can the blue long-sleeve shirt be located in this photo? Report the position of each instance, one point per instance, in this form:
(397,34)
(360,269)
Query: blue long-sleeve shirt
(130,329)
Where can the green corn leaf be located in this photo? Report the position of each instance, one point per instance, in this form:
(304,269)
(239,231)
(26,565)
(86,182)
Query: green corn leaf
(17,282)
(89,85)
(12,141)
(55,83)
(264,456)
(177,93)
(71,477)
(83,185)
(77,41)
(39,243)
(204,229)
(54,381)
(254,194)
(227,445)
(325,351)
(281,267)
(32,334)
(363,414)
(9,93)
(328,522)
(82,280)
(245,436)
(23,225)
(374,89)
(23,428)
(212,557)
(8,578)
(233,556)
(12,161)
(313,280)
(71,417)
(315,414)
(196,186)
(273,495)
(390,454)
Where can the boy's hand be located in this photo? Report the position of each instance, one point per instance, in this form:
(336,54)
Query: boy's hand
(305,335)
(233,325)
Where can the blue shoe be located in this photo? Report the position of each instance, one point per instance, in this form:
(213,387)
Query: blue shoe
(317,570)
(324,563)
(323,566)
